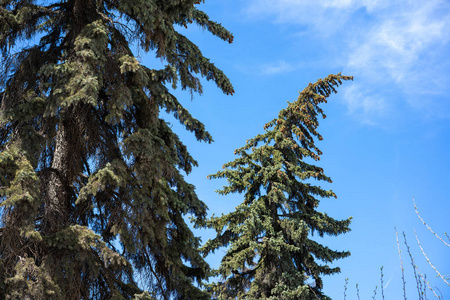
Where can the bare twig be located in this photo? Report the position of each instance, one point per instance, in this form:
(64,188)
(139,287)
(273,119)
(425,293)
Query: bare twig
(428,227)
(345,288)
(374,292)
(357,291)
(401,264)
(382,284)
(429,287)
(424,288)
(418,280)
(428,260)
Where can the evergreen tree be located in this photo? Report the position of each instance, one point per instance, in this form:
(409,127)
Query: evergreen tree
(92,194)
(271,254)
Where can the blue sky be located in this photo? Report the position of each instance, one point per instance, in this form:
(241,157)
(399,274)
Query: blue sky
(386,138)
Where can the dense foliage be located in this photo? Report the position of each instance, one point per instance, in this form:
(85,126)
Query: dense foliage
(92,193)
(271,253)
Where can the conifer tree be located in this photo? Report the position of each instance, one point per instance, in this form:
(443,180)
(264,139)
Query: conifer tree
(92,194)
(271,253)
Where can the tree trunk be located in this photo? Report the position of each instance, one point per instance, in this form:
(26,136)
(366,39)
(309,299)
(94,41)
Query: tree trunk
(56,214)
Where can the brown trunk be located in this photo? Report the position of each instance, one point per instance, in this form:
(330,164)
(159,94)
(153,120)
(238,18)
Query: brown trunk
(60,263)
(56,215)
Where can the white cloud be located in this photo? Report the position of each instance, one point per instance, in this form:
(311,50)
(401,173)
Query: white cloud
(326,16)
(276,68)
(270,68)
(402,45)
(398,43)
(364,104)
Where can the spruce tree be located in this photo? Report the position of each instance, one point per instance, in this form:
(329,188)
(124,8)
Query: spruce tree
(92,194)
(271,253)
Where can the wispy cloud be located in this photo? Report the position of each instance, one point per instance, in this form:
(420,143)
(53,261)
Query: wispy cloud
(388,282)
(270,68)
(402,45)
(325,16)
(396,44)
(276,68)
(365,104)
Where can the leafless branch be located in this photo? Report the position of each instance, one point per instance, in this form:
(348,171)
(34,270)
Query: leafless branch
(401,264)
(428,260)
(429,287)
(428,227)
(418,281)
(345,288)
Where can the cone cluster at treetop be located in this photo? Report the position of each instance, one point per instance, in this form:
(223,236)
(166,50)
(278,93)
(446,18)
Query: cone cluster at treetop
(92,191)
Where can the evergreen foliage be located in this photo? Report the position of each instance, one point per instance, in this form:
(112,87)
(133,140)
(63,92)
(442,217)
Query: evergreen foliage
(271,254)
(92,194)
